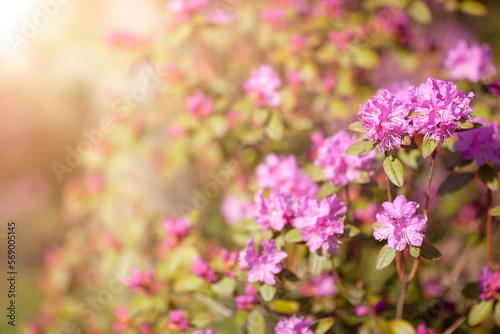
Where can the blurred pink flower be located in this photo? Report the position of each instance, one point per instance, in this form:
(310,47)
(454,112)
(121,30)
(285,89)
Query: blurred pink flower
(399,90)
(228,261)
(202,269)
(321,223)
(207,331)
(481,144)
(263,85)
(422,329)
(400,225)
(176,321)
(199,105)
(321,286)
(366,215)
(262,267)
(184,9)
(247,301)
(317,139)
(294,325)
(297,43)
(361,310)
(234,208)
(175,230)
(338,167)
(123,320)
(472,62)
(144,283)
(489,284)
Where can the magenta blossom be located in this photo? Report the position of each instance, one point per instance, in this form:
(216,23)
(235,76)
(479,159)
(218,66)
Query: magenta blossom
(481,144)
(489,284)
(338,167)
(262,86)
(247,301)
(271,212)
(123,321)
(228,261)
(199,105)
(176,321)
(294,325)
(472,62)
(383,119)
(321,286)
(175,230)
(208,331)
(400,225)
(438,105)
(262,267)
(234,208)
(321,223)
(144,283)
(421,329)
(399,90)
(202,269)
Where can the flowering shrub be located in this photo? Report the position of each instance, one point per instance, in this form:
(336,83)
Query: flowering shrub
(329,195)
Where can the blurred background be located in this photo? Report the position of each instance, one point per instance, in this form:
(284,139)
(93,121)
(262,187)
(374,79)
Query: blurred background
(54,85)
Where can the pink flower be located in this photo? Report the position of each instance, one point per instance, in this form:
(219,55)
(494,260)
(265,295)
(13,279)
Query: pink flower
(294,325)
(338,167)
(321,223)
(228,261)
(472,62)
(280,173)
(400,225)
(321,286)
(361,310)
(294,78)
(202,269)
(438,105)
(123,320)
(143,282)
(271,212)
(481,144)
(366,215)
(297,43)
(176,321)
(317,139)
(175,231)
(208,331)
(421,329)
(262,267)
(262,86)
(399,90)
(184,9)
(328,82)
(146,328)
(383,119)
(489,284)
(247,301)
(235,208)
(199,105)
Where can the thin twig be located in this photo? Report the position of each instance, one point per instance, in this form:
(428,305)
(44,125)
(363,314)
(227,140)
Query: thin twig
(455,325)
(402,296)
(489,234)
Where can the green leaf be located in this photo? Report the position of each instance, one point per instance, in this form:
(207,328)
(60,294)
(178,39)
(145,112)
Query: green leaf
(267,292)
(293,236)
(394,170)
(496,314)
(323,325)
(256,323)
(495,211)
(385,257)
(465,123)
(489,177)
(480,312)
(428,146)
(474,126)
(350,231)
(406,140)
(400,326)
(356,127)
(317,264)
(471,290)
(285,306)
(473,8)
(429,252)
(410,158)
(361,148)
(454,182)
(275,128)
(326,190)
(414,251)
(420,12)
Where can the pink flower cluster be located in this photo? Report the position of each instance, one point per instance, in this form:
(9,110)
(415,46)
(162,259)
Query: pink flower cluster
(140,282)
(202,269)
(481,144)
(400,225)
(339,167)
(262,267)
(271,212)
(489,284)
(184,9)
(176,321)
(321,223)
(234,208)
(321,286)
(175,230)
(247,301)
(472,62)
(432,110)
(294,325)
(199,105)
(262,86)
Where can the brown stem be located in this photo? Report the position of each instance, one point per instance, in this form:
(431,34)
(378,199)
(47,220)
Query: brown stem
(402,296)
(455,325)
(399,270)
(426,209)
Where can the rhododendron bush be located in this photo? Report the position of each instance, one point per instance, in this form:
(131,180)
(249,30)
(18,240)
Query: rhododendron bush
(301,167)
